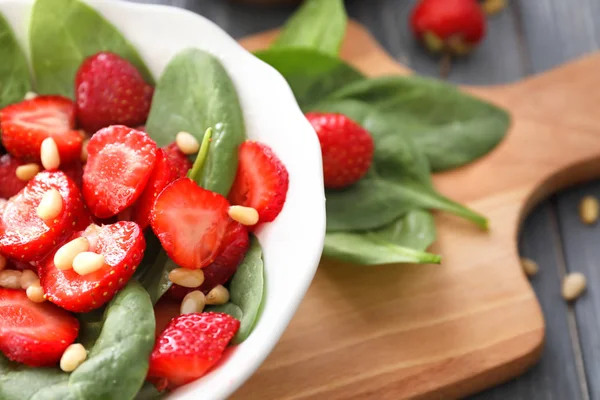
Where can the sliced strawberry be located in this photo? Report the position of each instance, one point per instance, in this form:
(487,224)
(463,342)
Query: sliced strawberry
(74,170)
(189,346)
(261,181)
(163,173)
(234,248)
(25,125)
(35,334)
(26,237)
(9,183)
(122,245)
(180,161)
(20,266)
(164,311)
(190,223)
(120,161)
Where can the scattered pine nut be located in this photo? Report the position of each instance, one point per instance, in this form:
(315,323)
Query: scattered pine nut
(84,152)
(193,302)
(187,143)
(63,258)
(10,279)
(491,7)
(35,292)
(588,210)
(189,278)
(573,285)
(244,215)
(27,171)
(49,154)
(30,96)
(50,206)
(27,278)
(73,357)
(529,267)
(217,295)
(3,262)
(87,262)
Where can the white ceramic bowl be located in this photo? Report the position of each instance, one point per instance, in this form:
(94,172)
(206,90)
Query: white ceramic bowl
(293,243)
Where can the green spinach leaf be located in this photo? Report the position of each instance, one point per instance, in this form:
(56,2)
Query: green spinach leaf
(62,34)
(149,392)
(318,24)
(416,230)
(14,72)
(193,94)
(156,279)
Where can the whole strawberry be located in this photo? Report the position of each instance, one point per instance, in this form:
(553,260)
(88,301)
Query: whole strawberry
(454,26)
(346,147)
(110,91)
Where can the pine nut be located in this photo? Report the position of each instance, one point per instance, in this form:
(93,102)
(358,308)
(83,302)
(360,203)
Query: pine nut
(189,278)
(84,151)
(27,278)
(51,205)
(87,262)
(529,267)
(35,292)
(49,154)
(3,262)
(573,285)
(244,215)
(63,258)
(27,171)
(73,357)
(187,143)
(588,210)
(30,96)
(10,279)
(193,302)
(491,7)
(217,295)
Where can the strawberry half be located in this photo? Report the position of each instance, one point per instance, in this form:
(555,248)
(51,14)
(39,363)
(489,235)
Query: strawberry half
(9,183)
(110,91)
(25,125)
(234,248)
(120,161)
(26,237)
(163,173)
(190,223)
(122,245)
(180,161)
(189,346)
(35,334)
(261,181)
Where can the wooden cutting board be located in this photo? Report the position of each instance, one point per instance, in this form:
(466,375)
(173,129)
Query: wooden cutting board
(439,332)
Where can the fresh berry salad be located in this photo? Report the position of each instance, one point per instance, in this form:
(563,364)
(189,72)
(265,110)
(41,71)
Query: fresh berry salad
(127,255)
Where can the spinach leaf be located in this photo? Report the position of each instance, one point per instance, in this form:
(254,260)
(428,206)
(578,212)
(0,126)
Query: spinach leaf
(311,75)
(14,72)
(62,34)
(193,94)
(318,24)
(246,291)
(416,230)
(149,392)
(156,279)
(451,128)
(116,366)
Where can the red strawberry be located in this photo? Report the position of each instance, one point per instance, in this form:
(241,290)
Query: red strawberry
(261,181)
(25,125)
(20,266)
(234,248)
(26,237)
(31,333)
(346,147)
(180,161)
(454,26)
(189,346)
(164,311)
(122,245)
(120,161)
(74,170)
(9,183)
(163,173)
(190,223)
(110,91)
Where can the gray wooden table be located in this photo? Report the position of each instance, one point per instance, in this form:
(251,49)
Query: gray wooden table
(529,37)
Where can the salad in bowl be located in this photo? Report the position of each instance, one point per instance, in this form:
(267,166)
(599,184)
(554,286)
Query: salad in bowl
(157,181)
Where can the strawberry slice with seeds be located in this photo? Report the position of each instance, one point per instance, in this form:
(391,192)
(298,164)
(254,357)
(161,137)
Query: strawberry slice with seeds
(179,160)
(122,245)
(163,173)
(35,334)
(26,237)
(25,125)
(234,248)
(261,181)
(120,161)
(190,223)
(10,185)
(189,346)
